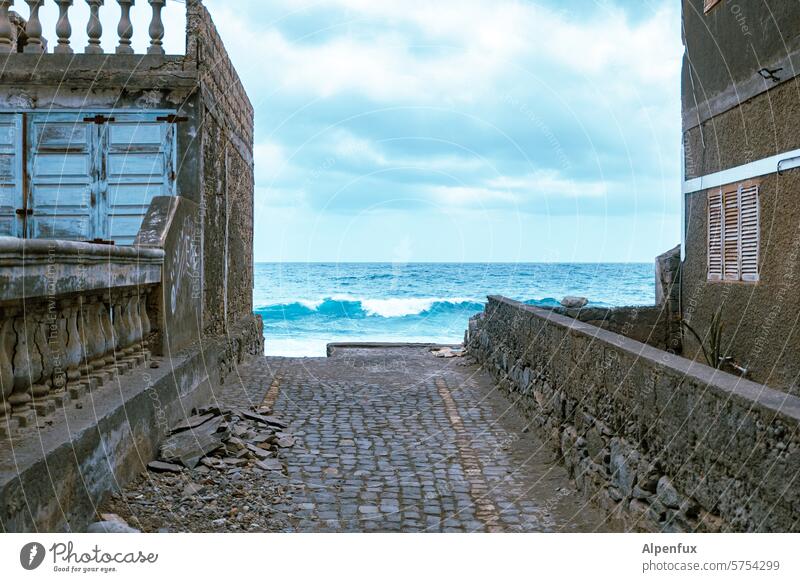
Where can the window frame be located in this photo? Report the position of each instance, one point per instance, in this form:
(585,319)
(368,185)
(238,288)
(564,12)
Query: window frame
(716,271)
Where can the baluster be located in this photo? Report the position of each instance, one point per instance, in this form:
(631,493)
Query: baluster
(156,28)
(97,341)
(41,385)
(63,28)
(7,341)
(58,339)
(130,326)
(146,327)
(136,317)
(125,27)
(121,326)
(7,44)
(108,333)
(24,370)
(33,29)
(87,341)
(94,29)
(73,352)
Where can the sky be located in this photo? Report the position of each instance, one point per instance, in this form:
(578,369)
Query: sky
(461,130)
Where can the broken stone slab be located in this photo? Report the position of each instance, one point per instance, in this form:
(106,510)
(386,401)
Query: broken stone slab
(111,527)
(234,461)
(164,467)
(191,422)
(191,445)
(193,489)
(259,452)
(269,420)
(270,465)
(286,442)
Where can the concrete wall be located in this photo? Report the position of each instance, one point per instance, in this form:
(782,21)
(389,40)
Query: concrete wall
(663,442)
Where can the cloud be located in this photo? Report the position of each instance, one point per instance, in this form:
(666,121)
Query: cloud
(543,108)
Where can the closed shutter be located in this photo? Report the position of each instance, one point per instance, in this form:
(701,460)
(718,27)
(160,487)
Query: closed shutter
(62,166)
(10,174)
(715,235)
(749,232)
(730,235)
(140,161)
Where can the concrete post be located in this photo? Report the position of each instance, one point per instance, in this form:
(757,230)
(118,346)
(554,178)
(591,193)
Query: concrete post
(6,28)
(94,29)
(156,28)
(33,28)
(125,28)
(63,28)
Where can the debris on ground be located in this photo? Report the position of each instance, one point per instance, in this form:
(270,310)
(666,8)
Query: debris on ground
(210,475)
(448,352)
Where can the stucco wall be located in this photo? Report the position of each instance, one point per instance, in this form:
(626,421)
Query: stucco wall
(664,443)
(760,319)
(726,48)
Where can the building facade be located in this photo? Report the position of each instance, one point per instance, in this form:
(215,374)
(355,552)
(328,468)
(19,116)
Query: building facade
(741,131)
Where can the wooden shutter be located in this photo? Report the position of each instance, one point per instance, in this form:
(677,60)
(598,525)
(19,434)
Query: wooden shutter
(140,153)
(715,235)
(749,232)
(730,236)
(10,174)
(62,172)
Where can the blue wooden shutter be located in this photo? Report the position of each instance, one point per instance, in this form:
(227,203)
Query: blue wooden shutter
(62,165)
(10,174)
(140,162)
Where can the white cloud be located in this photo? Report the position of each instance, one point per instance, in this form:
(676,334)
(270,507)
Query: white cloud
(452,50)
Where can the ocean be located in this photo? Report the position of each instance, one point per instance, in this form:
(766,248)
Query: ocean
(307,305)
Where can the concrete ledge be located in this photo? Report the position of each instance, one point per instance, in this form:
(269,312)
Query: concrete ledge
(335,347)
(32,268)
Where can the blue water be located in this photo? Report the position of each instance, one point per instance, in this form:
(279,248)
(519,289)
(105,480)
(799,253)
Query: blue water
(307,305)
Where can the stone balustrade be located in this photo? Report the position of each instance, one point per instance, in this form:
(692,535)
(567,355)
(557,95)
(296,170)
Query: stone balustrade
(33,41)
(73,316)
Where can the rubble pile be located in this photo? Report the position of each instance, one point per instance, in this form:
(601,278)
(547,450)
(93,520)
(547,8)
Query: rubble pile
(219,470)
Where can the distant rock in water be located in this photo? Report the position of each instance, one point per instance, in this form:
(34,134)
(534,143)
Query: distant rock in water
(571,302)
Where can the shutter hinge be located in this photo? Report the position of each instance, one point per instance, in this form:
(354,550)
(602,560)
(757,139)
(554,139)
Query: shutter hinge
(98,119)
(24,211)
(172,118)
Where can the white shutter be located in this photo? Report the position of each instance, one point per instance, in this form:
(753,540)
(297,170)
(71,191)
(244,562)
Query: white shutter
(730,236)
(715,235)
(749,232)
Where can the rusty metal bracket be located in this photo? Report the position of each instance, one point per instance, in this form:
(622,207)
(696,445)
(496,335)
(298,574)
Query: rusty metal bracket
(98,119)
(172,118)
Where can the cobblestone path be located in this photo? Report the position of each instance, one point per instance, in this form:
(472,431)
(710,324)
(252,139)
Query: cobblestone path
(394,439)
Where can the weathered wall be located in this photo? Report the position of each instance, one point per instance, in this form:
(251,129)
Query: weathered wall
(646,323)
(665,443)
(668,296)
(726,49)
(760,319)
(228,121)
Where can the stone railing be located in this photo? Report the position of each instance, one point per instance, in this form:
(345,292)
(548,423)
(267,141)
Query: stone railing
(19,35)
(72,317)
(662,442)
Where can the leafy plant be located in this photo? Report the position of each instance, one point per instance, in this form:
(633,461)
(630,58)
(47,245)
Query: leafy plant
(712,348)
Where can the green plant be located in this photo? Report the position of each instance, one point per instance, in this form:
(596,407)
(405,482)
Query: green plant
(712,349)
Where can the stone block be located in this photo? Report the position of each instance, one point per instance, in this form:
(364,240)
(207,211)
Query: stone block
(25,418)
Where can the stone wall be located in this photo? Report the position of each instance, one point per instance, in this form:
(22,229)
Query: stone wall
(645,323)
(228,176)
(665,443)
